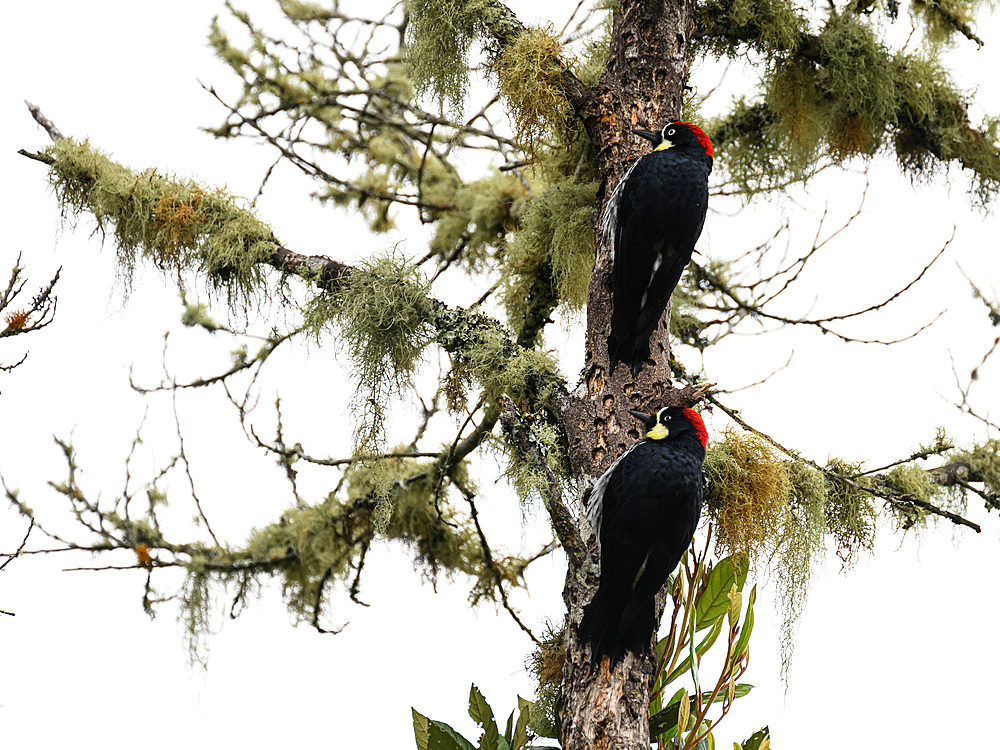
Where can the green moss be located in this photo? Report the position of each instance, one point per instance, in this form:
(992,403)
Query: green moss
(197,315)
(799,549)
(942,19)
(311,546)
(984,463)
(556,241)
(841,93)
(766,26)
(545,663)
(383,317)
(303,12)
(747,492)
(850,513)
(195,614)
(529,79)
(176,224)
(438,38)
(485,211)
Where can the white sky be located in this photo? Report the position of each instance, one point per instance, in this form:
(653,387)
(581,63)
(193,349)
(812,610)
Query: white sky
(896,652)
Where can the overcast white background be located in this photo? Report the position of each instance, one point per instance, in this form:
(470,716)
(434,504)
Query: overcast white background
(899,651)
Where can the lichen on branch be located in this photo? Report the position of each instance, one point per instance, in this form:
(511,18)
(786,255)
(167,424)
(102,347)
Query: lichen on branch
(176,224)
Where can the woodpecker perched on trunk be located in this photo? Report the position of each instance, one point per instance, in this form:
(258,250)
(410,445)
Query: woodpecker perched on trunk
(652,222)
(645,509)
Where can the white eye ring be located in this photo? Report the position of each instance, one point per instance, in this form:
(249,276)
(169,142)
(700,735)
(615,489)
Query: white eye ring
(671,131)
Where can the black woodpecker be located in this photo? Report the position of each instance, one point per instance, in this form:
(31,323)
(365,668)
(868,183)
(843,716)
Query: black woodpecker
(652,222)
(645,509)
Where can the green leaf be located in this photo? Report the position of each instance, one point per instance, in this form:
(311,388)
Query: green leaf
(756,740)
(713,602)
(420,729)
(520,738)
(742,642)
(482,714)
(440,736)
(706,644)
(479,709)
(663,721)
(509,731)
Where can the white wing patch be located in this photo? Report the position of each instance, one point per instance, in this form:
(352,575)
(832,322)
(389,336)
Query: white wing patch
(656,267)
(595,506)
(609,222)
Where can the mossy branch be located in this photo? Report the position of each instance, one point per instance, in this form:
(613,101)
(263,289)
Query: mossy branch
(885,492)
(840,92)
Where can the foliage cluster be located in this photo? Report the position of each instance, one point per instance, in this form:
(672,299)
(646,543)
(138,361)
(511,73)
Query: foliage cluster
(528,75)
(556,239)
(384,318)
(707,600)
(837,93)
(173,223)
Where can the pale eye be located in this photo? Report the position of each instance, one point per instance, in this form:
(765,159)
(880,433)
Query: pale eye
(671,131)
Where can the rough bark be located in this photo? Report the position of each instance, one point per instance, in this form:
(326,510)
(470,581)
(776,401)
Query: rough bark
(643,86)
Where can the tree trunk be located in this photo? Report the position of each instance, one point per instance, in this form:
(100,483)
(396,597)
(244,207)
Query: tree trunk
(643,86)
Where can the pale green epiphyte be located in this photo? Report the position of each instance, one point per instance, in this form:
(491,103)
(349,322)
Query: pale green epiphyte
(799,549)
(485,212)
(747,492)
(438,38)
(382,316)
(177,225)
(529,79)
(555,246)
(984,464)
(850,512)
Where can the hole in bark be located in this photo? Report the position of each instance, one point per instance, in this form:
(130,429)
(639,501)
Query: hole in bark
(598,455)
(595,381)
(628,388)
(633,434)
(609,401)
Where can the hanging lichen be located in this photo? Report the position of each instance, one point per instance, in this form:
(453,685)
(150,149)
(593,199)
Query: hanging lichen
(311,546)
(175,224)
(382,316)
(529,79)
(438,38)
(556,241)
(747,491)
(799,549)
(984,464)
(850,513)
(484,213)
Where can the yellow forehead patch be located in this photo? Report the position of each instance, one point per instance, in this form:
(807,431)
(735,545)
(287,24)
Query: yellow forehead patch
(663,145)
(658,431)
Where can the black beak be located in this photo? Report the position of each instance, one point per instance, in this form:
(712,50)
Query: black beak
(649,135)
(647,419)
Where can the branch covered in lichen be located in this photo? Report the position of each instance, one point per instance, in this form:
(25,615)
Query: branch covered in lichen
(837,93)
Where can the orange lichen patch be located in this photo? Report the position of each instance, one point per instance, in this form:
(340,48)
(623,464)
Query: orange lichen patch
(850,138)
(17,319)
(142,552)
(176,223)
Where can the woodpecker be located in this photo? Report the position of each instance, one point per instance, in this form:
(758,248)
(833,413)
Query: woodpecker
(644,509)
(652,221)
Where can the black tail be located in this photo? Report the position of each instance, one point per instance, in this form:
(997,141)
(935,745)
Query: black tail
(613,347)
(633,351)
(614,627)
(636,625)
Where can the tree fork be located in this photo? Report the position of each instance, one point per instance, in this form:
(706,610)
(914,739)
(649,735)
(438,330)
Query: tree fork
(643,86)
